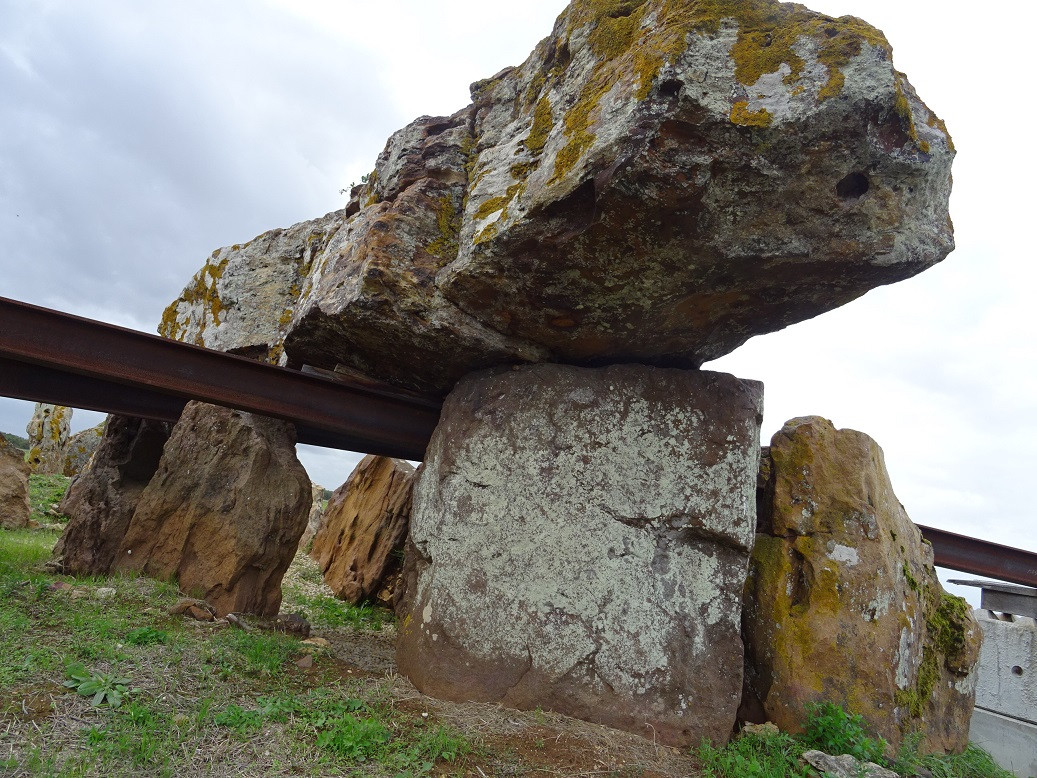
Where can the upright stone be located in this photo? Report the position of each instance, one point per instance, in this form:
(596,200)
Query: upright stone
(364,528)
(48,432)
(224,512)
(579,542)
(843,604)
(79,449)
(101,500)
(14,487)
(316,518)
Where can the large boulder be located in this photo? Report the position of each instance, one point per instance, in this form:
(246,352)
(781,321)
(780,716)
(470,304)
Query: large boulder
(224,512)
(100,502)
(14,487)
(579,542)
(360,543)
(242,299)
(79,449)
(843,604)
(48,432)
(657,182)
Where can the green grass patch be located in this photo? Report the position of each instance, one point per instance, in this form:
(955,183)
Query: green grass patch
(831,729)
(46,491)
(324,611)
(16,440)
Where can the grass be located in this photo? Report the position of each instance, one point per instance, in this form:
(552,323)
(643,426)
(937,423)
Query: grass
(830,729)
(195,699)
(46,491)
(324,611)
(206,700)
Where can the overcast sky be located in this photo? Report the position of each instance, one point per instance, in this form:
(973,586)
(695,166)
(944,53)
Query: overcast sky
(135,138)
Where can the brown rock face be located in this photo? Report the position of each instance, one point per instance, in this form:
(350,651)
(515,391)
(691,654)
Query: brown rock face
(657,182)
(359,545)
(843,604)
(224,512)
(579,542)
(101,500)
(14,487)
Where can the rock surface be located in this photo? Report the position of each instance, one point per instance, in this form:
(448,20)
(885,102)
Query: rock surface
(658,182)
(14,487)
(224,512)
(843,603)
(79,449)
(243,297)
(581,539)
(316,518)
(360,543)
(48,432)
(845,766)
(101,500)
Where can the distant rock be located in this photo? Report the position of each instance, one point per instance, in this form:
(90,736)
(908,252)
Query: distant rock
(14,487)
(359,546)
(79,449)
(316,517)
(657,182)
(224,511)
(48,432)
(100,502)
(843,604)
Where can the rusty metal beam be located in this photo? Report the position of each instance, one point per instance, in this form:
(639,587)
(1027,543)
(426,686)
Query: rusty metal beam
(85,363)
(981,557)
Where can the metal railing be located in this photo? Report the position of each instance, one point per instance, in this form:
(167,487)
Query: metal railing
(49,356)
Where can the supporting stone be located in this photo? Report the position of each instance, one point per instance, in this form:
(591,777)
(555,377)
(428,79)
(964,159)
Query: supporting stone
(843,604)
(357,547)
(224,512)
(579,542)
(48,432)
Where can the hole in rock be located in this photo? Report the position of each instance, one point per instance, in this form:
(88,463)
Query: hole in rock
(670,88)
(1017,670)
(852,186)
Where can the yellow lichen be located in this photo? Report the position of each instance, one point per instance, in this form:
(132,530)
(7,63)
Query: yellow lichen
(542,124)
(741,115)
(448,220)
(634,39)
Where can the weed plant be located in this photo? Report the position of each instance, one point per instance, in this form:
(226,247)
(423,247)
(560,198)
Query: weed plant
(831,729)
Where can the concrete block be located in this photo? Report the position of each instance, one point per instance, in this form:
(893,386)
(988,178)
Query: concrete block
(1011,742)
(1007,680)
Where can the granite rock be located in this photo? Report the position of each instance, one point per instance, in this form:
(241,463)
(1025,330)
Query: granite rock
(843,604)
(100,501)
(224,512)
(579,543)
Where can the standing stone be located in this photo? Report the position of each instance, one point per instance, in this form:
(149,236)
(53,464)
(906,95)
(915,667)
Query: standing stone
(843,603)
(224,512)
(581,540)
(79,449)
(360,544)
(48,432)
(316,518)
(100,502)
(14,487)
